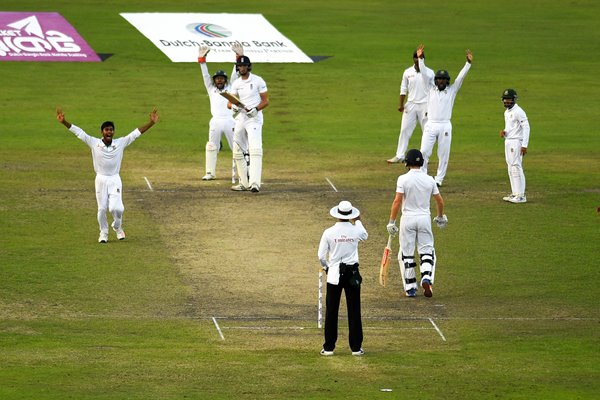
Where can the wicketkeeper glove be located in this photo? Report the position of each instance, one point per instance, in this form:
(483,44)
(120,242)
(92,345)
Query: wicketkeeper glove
(441,222)
(202,52)
(238,49)
(252,113)
(392,228)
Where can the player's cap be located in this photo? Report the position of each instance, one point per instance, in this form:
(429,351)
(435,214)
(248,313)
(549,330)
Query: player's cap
(442,74)
(344,210)
(220,72)
(413,158)
(509,94)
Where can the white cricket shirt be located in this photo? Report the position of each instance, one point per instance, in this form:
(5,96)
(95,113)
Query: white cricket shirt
(413,84)
(107,159)
(249,90)
(439,107)
(218,103)
(417,187)
(516,125)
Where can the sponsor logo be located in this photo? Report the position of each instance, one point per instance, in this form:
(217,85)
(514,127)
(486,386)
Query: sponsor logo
(210,30)
(47,38)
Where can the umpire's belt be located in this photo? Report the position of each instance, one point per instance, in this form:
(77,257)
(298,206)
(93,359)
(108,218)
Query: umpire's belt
(348,268)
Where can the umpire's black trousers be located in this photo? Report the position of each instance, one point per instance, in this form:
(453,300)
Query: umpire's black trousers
(332,302)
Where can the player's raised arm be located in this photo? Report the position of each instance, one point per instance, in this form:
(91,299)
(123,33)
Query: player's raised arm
(60,116)
(469,56)
(153,120)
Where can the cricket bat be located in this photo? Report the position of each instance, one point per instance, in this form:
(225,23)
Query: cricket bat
(320,301)
(232,99)
(385,262)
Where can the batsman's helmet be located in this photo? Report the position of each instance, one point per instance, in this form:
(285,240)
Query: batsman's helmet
(510,94)
(414,158)
(220,72)
(442,74)
(244,60)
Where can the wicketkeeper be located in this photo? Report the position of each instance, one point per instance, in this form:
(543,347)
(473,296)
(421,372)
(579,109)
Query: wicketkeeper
(338,254)
(413,194)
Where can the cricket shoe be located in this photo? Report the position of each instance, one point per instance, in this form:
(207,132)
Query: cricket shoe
(509,197)
(427,289)
(239,188)
(411,293)
(326,352)
(395,160)
(209,177)
(518,199)
(120,232)
(103,237)
(254,188)
(358,353)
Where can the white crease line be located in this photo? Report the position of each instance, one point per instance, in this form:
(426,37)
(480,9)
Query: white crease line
(218,328)
(437,329)
(331,184)
(149,185)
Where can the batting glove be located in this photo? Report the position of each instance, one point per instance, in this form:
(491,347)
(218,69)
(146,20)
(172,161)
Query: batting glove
(252,113)
(235,108)
(203,51)
(238,49)
(441,222)
(392,228)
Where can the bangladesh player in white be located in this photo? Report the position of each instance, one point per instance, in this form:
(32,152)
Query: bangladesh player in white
(222,122)
(415,108)
(516,139)
(439,112)
(107,154)
(252,91)
(413,195)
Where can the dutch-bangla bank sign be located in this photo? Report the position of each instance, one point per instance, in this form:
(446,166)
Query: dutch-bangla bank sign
(178,36)
(43,36)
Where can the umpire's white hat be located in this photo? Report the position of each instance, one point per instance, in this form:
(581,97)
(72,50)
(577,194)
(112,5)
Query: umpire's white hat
(344,210)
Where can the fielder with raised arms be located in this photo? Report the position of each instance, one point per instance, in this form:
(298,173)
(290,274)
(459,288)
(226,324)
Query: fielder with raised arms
(439,112)
(107,154)
(222,122)
(252,91)
(413,195)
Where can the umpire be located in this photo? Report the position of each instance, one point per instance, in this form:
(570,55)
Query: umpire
(338,254)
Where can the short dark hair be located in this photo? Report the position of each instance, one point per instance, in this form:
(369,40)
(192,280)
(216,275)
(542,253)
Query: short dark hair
(106,124)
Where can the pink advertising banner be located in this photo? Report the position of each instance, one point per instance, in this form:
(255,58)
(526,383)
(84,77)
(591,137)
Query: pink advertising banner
(41,36)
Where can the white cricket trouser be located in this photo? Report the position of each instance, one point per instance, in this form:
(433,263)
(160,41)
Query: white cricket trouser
(415,231)
(442,133)
(248,136)
(108,196)
(514,161)
(217,128)
(413,113)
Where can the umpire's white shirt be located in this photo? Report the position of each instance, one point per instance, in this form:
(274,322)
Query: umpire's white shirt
(516,125)
(339,243)
(417,188)
(107,159)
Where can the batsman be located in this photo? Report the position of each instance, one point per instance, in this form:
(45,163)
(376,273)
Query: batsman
(414,190)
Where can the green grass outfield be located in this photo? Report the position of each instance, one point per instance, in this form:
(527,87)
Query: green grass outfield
(516,305)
